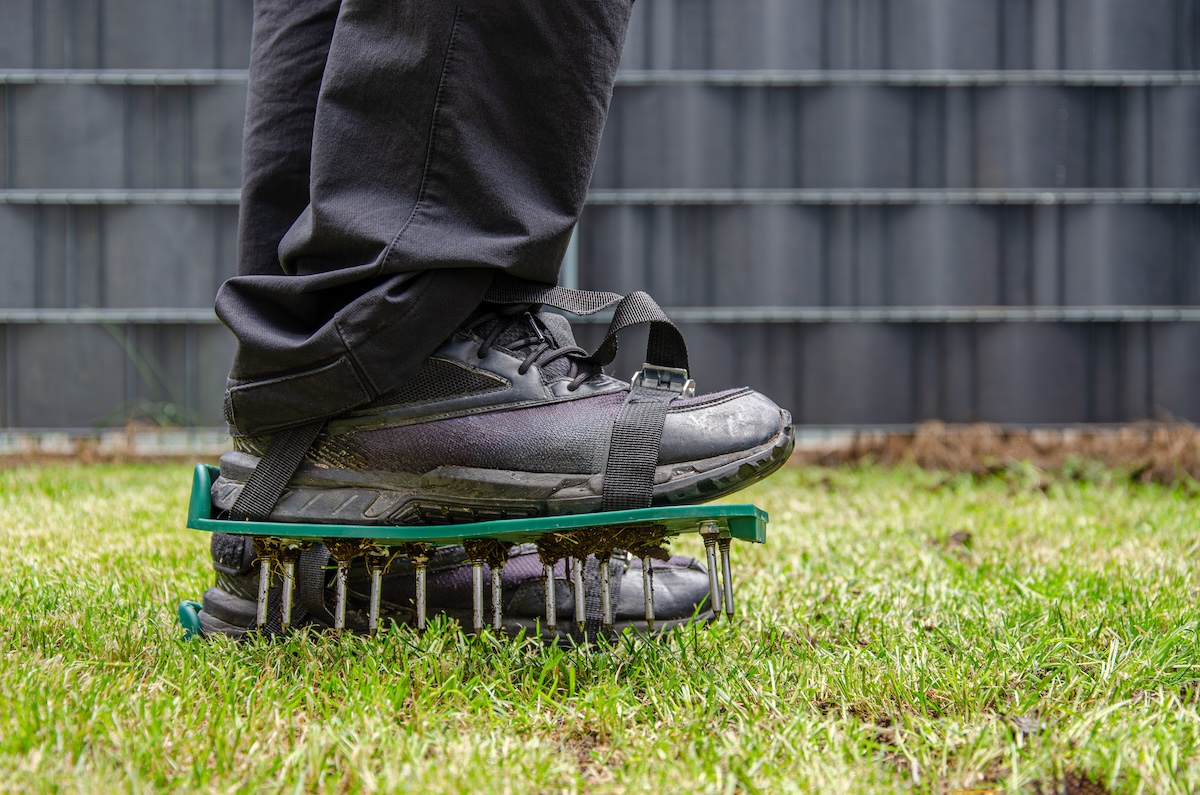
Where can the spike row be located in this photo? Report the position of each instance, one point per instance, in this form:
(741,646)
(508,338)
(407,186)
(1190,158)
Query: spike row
(281,554)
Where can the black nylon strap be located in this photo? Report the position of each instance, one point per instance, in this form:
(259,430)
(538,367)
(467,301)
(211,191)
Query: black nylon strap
(311,573)
(616,573)
(633,449)
(267,482)
(666,346)
(637,432)
(593,618)
(274,625)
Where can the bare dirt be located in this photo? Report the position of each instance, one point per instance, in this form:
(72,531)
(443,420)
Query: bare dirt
(1148,453)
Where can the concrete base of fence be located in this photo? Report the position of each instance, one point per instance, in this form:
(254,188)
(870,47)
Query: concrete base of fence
(115,444)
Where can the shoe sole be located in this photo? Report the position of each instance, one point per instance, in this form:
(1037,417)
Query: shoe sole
(457,495)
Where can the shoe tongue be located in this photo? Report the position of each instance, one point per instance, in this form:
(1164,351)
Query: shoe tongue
(518,328)
(558,329)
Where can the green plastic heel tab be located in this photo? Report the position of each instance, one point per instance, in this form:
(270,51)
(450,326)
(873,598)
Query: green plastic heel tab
(200,503)
(189,619)
(743,522)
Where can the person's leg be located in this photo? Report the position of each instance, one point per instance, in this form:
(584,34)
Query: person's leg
(449,141)
(289,48)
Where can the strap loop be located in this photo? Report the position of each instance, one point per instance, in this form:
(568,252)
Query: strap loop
(666,346)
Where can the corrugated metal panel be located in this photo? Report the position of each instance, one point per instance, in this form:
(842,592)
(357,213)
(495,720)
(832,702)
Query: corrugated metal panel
(789,173)
(803,255)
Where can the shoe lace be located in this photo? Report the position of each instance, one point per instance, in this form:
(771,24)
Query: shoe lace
(538,349)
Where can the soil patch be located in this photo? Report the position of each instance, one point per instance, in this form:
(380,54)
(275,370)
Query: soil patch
(1148,453)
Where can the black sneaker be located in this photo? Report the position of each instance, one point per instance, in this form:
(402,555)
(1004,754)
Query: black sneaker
(681,591)
(508,419)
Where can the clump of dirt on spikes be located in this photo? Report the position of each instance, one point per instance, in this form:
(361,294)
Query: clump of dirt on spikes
(347,548)
(643,541)
(489,550)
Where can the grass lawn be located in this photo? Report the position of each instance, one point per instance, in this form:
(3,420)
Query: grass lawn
(902,631)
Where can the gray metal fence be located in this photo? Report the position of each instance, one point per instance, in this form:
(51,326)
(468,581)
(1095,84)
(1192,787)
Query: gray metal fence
(877,211)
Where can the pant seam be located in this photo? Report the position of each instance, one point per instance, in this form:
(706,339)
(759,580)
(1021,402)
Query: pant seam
(433,128)
(420,289)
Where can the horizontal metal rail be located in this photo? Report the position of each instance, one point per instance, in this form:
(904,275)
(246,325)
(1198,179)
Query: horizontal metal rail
(101,317)
(783,78)
(690,196)
(706,314)
(117,196)
(130,77)
(889,197)
(937,314)
(934,78)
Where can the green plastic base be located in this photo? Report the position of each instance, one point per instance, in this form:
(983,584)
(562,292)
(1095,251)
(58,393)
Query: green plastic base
(744,522)
(189,619)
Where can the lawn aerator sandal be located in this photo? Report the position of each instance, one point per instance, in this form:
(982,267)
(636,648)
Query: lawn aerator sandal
(283,491)
(574,538)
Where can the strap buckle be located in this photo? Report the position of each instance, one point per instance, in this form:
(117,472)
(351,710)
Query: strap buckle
(669,379)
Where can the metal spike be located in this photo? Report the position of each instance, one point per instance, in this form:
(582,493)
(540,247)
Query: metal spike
(339,605)
(580,606)
(710,531)
(727,576)
(497,610)
(648,592)
(422,593)
(606,613)
(289,590)
(477,596)
(377,560)
(376,590)
(551,600)
(264,590)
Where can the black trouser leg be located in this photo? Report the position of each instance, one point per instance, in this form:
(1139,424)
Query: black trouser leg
(448,141)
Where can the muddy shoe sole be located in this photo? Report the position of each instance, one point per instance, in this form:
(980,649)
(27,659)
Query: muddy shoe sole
(453,495)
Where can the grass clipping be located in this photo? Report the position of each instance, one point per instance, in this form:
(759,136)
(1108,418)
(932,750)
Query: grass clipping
(1145,453)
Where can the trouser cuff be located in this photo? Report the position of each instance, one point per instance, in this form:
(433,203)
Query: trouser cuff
(263,407)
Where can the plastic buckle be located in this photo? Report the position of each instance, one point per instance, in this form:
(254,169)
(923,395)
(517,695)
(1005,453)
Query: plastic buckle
(669,379)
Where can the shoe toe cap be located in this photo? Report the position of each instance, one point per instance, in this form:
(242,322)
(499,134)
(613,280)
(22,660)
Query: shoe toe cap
(720,424)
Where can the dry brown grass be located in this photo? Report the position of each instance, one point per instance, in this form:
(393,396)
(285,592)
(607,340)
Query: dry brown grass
(1159,453)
